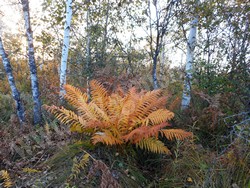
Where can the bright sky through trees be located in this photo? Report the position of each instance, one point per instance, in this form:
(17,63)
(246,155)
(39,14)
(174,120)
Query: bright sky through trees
(12,22)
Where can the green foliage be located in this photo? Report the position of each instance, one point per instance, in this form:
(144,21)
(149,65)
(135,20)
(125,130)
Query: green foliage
(6,107)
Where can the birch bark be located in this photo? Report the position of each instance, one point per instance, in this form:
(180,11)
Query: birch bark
(65,49)
(11,80)
(32,64)
(186,96)
(160,26)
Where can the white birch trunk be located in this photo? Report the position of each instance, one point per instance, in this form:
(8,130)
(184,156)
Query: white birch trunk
(186,96)
(65,49)
(11,80)
(32,64)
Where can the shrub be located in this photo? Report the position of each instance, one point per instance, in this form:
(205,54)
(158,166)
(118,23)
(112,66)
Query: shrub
(136,118)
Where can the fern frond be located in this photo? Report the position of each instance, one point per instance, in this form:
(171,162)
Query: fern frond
(115,104)
(105,137)
(144,132)
(179,134)
(30,170)
(153,145)
(79,165)
(133,95)
(98,112)
(74,96)
(99,94)
(158,116)
(128,107)
(147,104)
(67,117)
(136,134)
(97,125)
(7,183)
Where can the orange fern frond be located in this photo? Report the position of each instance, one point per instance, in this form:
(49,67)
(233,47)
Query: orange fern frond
(99,113)
(136,134)
(128,107)
(144,132)
(74,96)
(105,137)
(158,116)
(99,94)
(97,125)
(146,105)
(67,117)
(115,105)
(172,134)
(153,145)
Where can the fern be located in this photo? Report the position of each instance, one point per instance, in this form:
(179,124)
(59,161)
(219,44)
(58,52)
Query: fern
(6,179)
(153,145)
(30,170)
(106,137)
(79,165)
(172,134)
(116,119)
(74,96)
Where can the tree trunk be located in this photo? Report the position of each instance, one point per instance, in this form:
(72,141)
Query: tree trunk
(154,72)
(186,97)
(32,64)
(14,90)
(65,48)
(104,41)
(88,58)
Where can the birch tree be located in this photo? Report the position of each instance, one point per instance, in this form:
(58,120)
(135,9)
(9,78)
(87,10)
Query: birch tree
(186,96)
(14,90)
(65,49)
(160,25)
(32,64)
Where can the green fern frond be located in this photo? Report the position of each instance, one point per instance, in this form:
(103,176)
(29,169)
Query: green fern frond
(7,183)
(179,134)
(153,145)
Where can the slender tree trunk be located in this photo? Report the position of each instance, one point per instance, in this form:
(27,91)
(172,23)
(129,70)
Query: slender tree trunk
(88,55)
(162,64)
(153,53)
(104,41)
(14,90)
(32,64)
(161,29)
(186,97)
(65,48)
(154,72)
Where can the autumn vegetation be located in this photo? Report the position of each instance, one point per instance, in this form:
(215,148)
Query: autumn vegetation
(121,121)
